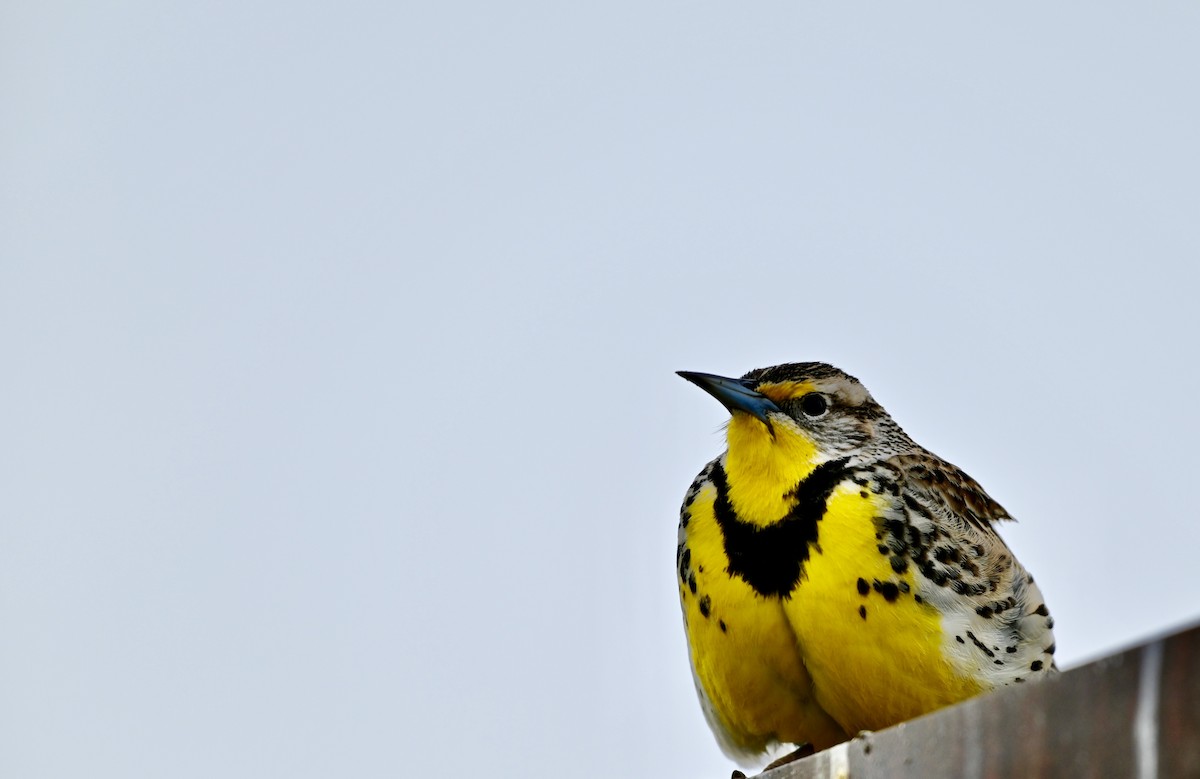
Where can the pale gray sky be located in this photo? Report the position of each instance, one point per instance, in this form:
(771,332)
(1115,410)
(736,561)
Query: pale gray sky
(340,430)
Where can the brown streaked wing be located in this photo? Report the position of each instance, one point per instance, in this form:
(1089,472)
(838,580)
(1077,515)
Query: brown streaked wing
(947,489)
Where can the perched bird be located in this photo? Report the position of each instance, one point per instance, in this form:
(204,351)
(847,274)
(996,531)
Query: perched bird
(836,577)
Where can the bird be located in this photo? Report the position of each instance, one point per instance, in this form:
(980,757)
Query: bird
(836,577)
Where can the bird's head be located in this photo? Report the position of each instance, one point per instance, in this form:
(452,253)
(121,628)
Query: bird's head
(788,419)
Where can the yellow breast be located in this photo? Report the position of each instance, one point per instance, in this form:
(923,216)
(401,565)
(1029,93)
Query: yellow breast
(874,650)
(851,647)
(744,653)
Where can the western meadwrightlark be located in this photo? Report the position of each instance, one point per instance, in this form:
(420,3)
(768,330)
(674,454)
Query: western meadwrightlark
(837,577)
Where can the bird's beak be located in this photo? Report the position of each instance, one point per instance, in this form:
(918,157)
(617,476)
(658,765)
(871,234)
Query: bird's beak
(734,394)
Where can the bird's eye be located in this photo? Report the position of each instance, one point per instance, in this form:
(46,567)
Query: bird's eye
(814,404)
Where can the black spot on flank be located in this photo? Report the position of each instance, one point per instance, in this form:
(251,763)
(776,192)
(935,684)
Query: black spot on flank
(998,662)
(933,574)
(721,624)
(863,493)
(918,599)
(982,646)
(984,612)
(1036,665)
(685,563)
(700,568)
(1050,649)
(692,582)
(863,587)
(1049,623)
(1012,650)
(771,558)
(903,586)
(705,605)
(684,518)
(959,639)
(691,496)
(899,564)
(862,611)
(1018,680)
(883,549)
(946,554)
(1042,611)
(888,590)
